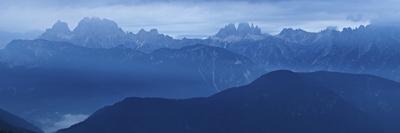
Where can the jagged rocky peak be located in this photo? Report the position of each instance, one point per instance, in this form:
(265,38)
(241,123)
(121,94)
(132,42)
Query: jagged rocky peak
(330,29)
(242,29)
(150,32)
(154,31)
(58,32)
(97,32)
(291,31)
(246,28)
(60,27)
(232,33)
(295,35)
(151,36)
(90,25)
(226,31)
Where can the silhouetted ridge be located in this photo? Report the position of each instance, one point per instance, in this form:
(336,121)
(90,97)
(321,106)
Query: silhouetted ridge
(278,75)
(279,102)
(279,78)
(10,123)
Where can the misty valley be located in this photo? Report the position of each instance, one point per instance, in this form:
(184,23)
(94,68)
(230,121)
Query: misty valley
(100,78)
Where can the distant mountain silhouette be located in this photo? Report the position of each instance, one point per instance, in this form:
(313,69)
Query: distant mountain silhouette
(104,33)
(279,102)
(10,123)
(90,32)
(297,35)
(231,33)
(59,32)
(7,37)
(99,54)
(371,49)
(368,49)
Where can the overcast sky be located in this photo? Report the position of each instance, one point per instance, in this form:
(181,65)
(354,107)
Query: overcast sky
(196,17)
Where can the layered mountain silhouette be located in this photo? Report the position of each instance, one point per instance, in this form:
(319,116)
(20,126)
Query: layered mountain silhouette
(96,63)
(10,123)
(280,102)
(207,61)
(43,78)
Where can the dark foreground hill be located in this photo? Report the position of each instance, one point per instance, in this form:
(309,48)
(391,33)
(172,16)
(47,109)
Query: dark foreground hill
(278,102)
(13,124)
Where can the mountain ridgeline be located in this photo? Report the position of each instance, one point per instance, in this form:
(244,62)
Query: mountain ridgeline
(104,33)
(10,123)
(97,63)
(368,49)
(371,49)
(61,78)
(279,102)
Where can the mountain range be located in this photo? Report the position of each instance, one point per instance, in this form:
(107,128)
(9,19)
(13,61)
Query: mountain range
(78,71)
(280,101)
(104,33)
(7,37)
(367,49)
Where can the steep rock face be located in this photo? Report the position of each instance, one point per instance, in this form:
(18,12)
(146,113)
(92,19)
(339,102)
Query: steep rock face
(226,31)
(297,36)
(244,31)
(59,32)
(99,33)
(104,33)
(90,32)
(151,40)
(281,101)
(369,49)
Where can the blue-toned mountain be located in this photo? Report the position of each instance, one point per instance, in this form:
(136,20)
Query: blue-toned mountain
(40,77)
(280,101)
